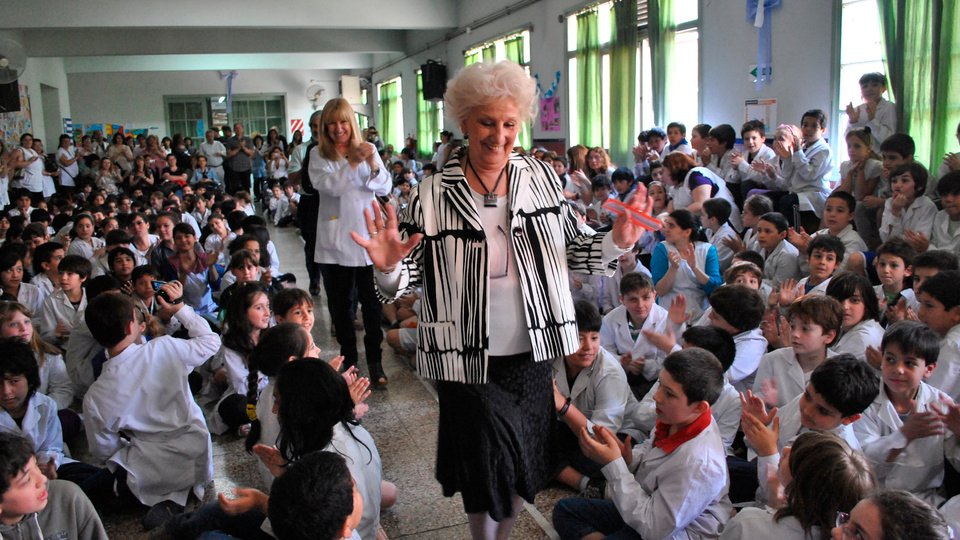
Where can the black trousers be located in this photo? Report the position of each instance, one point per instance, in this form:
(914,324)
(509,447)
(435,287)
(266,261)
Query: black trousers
(307,212)
(339,282)
(237,181)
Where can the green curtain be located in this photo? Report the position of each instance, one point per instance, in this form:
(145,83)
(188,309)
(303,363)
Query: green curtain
(923,66)
(662,30)
(514,51)
(489,53)
(428,122)
(472,58)
(390,117)
(589,108)
(623,80)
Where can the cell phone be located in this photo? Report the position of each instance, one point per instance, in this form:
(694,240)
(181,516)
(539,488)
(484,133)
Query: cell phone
(796,218)
(157,284)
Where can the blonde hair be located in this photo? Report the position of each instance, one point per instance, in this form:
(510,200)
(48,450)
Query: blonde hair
(482,84)
(40,347)
(790,132)
(337,110)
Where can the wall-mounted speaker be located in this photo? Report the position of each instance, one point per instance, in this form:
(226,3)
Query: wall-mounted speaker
(434,80)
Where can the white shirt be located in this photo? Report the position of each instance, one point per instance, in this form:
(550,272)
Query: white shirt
(807,174)
(941,236)
(724,253)
(58,309)
(781,264)
(345,193)
(600,391)
(678,495)
(883,125)
(615,337)
(917,217)
(782,366)
(41,426)
(69,173)
(86,249)
(143,393)
(751,523)
(866,333)
(725,411)
(54,381)
(745,171)
(214,153)
(31,296)
(751,346)
(946,376)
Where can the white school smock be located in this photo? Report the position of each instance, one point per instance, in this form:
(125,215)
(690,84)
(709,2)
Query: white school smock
(54,381)
(31,296)
(751,346)
(41,426)
(345,193)
(43,283)
(781,264)
(33,173)
(866,333)
(57,309)
(941,237)
(919,467)
(852,242)
(751,523)
(356,446)
(782,366)
(716,239)
(600,391)
(143,393)
(820,289)
(807,175)
(269,429)
(883,125)
(680,495)
(745,171)
(946,376)
(85,249)
(683,196)
(917,217)
(726,413)
(722,167)
(610,293)
(615,337)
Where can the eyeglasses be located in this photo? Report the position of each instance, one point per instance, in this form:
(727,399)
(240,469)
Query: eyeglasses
(848,529)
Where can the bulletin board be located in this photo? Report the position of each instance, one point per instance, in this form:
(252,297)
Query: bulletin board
(14,124)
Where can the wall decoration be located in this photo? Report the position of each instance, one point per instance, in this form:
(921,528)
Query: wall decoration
(549,105)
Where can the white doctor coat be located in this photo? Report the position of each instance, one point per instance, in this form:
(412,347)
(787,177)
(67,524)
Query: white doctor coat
(140,415)
(615,337)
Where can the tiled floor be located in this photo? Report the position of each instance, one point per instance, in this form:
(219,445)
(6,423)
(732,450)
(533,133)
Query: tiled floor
(403,422)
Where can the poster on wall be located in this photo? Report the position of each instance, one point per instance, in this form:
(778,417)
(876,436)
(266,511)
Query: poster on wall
(550,106)
(763,109)
(68,126)
(14,124)
(94,127)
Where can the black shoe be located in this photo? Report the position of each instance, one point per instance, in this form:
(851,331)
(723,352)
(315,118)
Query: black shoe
(160,513)
(595,489)
(378,379)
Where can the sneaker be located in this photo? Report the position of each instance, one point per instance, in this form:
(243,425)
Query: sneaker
(160,513)
(595,489)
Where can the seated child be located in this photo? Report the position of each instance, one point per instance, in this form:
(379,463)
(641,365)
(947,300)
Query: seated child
(838,213)
(781,261)
(860,329)
(893,513)
(590,389)
(860,177)
(195,270)
(599,217)
(624,183)
(906,214)
(24,411)
(62,309)
(753,208)
(121,262)
(875,113)
(621,333)
(747,166)
(945,234)
(806,171)
(894,263)
(814,322)
(925,265)
(903,432)
(610,288)
(715,217)
(824,254)
(46,258)
(738,310)
(940,310)
(31,506)
(821,477)
(147,451)
(319,480)
(839,391)
(675,483)
(725,410)
(83,356)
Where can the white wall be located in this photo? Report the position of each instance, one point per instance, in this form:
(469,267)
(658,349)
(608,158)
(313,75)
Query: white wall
(48,71)
(137,98)
(802,56)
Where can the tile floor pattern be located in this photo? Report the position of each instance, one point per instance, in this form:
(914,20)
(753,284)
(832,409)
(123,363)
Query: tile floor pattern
(403,422)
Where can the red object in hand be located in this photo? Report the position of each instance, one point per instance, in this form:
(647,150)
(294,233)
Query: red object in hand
(642,219)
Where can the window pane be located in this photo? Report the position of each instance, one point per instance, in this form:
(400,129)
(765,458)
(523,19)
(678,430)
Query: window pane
(274,107)
(687,10)
(646,99)
(684,102)
(193,110)
(574,128)
(860,38)
(572,33)
(603,22)
(605,99)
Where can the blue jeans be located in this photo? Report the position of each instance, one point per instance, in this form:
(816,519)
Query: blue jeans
(211,522)
(575,518)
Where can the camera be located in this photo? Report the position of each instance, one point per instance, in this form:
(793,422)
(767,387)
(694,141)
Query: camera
(161,293)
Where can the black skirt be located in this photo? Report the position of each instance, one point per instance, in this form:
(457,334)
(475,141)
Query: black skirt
(496,439)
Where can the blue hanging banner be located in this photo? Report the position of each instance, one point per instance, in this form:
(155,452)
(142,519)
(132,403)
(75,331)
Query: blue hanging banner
(758,14)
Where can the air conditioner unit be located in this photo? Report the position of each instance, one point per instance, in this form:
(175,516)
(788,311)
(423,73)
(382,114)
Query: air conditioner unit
(350,89)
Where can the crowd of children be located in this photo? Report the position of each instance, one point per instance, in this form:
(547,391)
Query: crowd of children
(781,358)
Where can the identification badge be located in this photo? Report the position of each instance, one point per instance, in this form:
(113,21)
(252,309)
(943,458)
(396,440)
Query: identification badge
(490,199)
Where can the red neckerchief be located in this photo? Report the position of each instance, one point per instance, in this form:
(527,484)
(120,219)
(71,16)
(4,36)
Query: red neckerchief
(672,442)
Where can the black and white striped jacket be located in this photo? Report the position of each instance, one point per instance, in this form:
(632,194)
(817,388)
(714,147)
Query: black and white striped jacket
(451,266)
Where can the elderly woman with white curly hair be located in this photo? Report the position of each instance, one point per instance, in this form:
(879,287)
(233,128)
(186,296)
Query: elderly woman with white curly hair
(490,241)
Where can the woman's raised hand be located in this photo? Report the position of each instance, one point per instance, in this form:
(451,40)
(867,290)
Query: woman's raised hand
(384,246)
